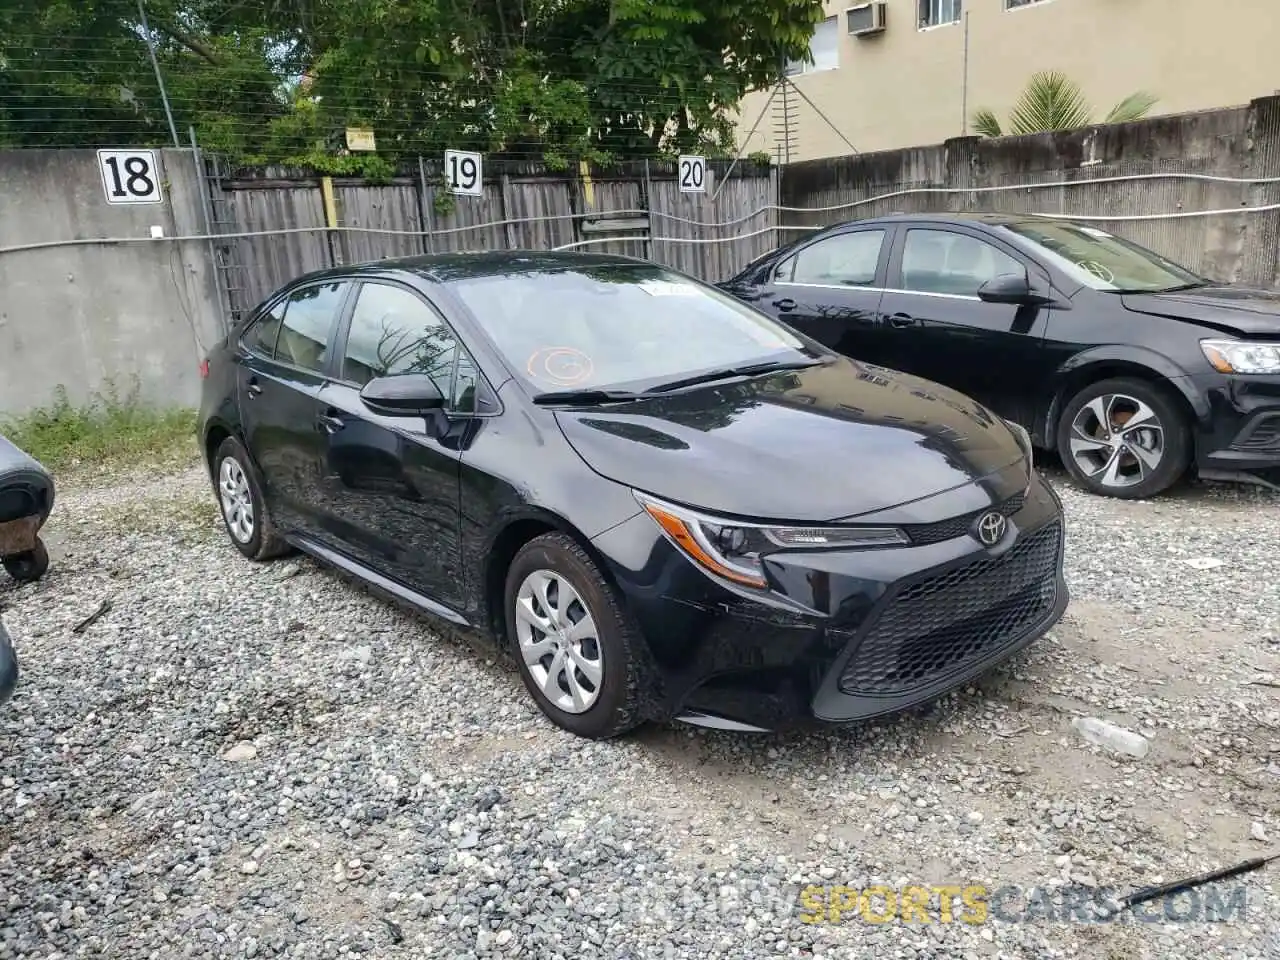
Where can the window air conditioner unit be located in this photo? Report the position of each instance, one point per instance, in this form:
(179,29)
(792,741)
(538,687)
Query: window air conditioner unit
(866,19)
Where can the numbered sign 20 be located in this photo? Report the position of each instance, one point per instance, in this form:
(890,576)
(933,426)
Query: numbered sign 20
(130,176)
(693,174)
(465,172)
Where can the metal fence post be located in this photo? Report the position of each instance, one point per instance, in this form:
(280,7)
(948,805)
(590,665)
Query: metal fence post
(425,204)
(224,295)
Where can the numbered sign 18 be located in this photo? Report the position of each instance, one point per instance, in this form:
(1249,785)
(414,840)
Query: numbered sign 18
(130,176)
(693,174)
(465,172)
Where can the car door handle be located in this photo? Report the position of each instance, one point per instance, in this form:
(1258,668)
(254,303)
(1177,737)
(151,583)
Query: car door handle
(254,389)
(330,422)
(902,320)
(785,304)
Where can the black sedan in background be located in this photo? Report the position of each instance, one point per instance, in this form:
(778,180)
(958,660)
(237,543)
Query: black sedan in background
(665,504)
(1131,367)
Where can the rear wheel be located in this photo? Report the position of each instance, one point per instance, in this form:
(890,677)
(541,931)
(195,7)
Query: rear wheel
(575,644)
(30,566)
(1124,438)
(244,511)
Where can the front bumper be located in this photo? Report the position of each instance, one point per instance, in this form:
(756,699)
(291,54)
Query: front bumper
(1241,433)
(858,634)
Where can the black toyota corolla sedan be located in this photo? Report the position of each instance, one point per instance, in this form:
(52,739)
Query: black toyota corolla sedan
(662,502)
(1133,368)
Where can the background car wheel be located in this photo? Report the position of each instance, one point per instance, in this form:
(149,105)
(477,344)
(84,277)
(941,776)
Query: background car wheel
(1124,438)
(243,510)
(30,566)
(576,646)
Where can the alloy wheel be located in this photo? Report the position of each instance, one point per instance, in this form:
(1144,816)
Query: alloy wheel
(237,500)
(1117,440)
(559,641)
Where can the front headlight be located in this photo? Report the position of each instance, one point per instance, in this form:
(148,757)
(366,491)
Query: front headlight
(732,550)
(1240,356)
(1024,440)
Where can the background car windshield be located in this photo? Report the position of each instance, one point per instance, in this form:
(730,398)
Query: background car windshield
(1102,260)
(616,324)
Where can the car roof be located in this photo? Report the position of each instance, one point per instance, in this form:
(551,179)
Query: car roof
(450,267)
(987,219)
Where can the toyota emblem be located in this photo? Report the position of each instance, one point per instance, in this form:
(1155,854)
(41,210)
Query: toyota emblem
(990,528)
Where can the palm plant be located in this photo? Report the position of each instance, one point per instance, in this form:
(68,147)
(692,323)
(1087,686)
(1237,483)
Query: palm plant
(1053,101)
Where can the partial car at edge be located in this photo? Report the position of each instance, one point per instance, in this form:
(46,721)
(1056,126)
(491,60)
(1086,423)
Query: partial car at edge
(661,502)
(1134,369)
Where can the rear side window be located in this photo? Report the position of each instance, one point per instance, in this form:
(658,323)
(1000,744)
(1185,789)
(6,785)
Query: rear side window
(394,331)
(308,324)
(261,336)
(847,259)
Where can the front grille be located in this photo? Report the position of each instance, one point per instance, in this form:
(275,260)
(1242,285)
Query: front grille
(934,627)
(924,533)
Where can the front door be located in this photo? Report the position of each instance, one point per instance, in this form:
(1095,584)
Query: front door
(281,371)
(830,290)
(942,331)
(391,484)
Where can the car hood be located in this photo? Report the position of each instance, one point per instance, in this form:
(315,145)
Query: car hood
(820,444)
(1241,311)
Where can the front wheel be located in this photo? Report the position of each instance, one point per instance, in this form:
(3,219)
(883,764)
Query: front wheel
(1124,438)
(30,566)
(576,646)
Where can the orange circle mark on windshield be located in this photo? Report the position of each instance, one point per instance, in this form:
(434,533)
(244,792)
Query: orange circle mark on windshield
(563,366)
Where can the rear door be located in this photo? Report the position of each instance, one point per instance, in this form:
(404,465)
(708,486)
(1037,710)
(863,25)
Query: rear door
(391,483)
(281,371)
(941,330)
(830,290)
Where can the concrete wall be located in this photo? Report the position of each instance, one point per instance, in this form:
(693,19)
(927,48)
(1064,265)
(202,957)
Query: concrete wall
(910,85)
(1239,143)
(84,316)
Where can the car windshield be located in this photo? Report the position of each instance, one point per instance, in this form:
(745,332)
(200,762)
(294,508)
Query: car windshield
(610,325)
(1102,260)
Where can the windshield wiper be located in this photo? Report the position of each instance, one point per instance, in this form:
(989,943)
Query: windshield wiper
(586,397)
(726,373)
(1174,289)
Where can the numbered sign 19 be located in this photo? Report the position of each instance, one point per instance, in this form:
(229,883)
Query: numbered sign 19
(693,174)
(465,172)
(130,176)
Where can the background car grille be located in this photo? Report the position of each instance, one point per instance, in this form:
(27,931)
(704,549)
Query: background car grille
(937,626)
(924,533)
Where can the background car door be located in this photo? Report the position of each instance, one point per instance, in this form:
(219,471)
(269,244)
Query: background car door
(391,485)
(280,374)
(942,331)
(830,290)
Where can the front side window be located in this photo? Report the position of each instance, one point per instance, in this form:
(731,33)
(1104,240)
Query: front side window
(1102,260)
(308,324)
(934,13)
(393,332)
(824,48)
(937,261)
(619,324)
(848,259)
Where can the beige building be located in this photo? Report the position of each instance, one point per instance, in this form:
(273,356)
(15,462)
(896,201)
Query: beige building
(921,68)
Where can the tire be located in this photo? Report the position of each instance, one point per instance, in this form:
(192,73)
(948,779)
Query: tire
(259,540)
(614,702)
(1153,455)
(30,566)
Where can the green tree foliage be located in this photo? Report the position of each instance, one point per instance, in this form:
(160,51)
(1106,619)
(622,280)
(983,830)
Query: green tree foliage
(1053,101)
(281,80)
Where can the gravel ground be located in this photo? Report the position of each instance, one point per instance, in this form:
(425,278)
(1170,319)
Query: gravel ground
(256,761)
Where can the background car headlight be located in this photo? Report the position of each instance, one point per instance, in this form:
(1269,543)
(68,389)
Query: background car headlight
(732,551)
(1239,356)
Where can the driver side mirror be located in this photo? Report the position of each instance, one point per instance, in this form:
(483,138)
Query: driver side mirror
(407,395)
(1009,288)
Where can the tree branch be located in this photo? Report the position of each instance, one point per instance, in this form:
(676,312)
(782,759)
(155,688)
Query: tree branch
(195,45)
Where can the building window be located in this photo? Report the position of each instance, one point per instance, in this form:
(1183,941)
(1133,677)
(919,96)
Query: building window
(824,49)
(934,13)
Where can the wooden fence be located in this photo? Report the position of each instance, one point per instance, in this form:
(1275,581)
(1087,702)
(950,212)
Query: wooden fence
(638,210)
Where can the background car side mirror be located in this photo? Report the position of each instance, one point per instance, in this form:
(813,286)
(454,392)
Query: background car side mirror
(1009,288)
(407,395)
